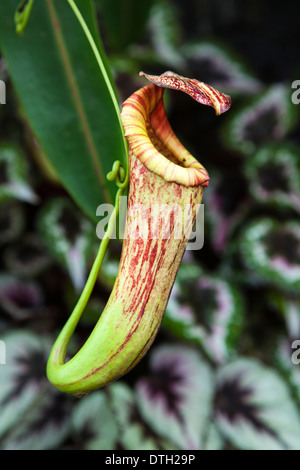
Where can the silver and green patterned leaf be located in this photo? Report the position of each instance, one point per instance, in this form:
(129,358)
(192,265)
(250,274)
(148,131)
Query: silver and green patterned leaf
(175,397)
(23,380)
(44,427)
(214,440)
(135,434)
(254,409)
(14,175)
(94,425)
(69,236)
(228,203)
(21,299)
(164,29)
(218,65)
(274,176)
(12,221)
(27,257)
(270,250)
(287,360)
(267,117)
(206,310)
(287,353)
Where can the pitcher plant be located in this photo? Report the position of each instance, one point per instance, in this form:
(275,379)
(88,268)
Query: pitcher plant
(162,173)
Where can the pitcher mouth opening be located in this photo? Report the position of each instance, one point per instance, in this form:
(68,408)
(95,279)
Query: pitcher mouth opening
(152,140)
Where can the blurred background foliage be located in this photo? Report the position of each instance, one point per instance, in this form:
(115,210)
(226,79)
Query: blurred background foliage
(220,374)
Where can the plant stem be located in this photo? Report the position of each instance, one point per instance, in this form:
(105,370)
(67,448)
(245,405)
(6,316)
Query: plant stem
(67,331)
(100,64)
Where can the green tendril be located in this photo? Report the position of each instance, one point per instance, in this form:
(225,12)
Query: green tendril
(118,174)
(22,15)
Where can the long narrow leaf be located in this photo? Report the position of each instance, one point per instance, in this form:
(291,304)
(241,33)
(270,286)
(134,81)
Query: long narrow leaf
(65,96)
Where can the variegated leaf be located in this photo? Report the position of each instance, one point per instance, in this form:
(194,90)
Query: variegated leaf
(27,257)
(273,173)
(44,427)
(22,377)
(94,424)
(254,409)
(19,298)
(14,175)
(206,310)
(69,236)
(12,221)
(267,117)
(175,397)
(270,250)
(135,434)
(220,66)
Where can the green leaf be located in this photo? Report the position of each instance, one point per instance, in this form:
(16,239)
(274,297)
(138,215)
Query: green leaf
(65,97)
(125,24)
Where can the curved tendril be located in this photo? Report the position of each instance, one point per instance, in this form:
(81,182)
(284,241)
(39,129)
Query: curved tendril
(118,174)
(22,15)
